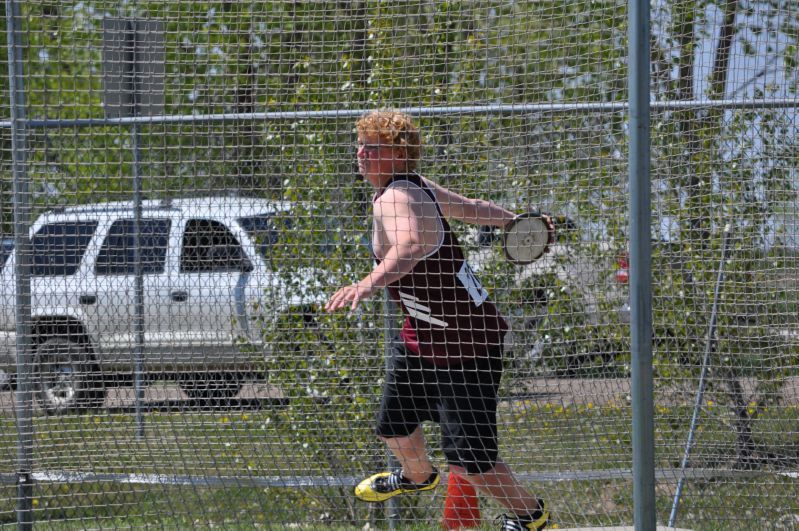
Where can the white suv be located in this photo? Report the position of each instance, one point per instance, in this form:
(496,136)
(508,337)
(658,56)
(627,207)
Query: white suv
(208,287)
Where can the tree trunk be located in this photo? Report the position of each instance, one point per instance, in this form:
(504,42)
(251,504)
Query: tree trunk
(692,126)
(718,80)
(745,443)
(247,140)
(685,16)
(357,14)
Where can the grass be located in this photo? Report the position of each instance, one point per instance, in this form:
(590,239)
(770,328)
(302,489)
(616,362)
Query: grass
(537,437)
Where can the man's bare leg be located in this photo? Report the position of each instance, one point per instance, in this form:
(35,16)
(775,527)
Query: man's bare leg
(417,472)
(499,482)
(411,452)
(502,485)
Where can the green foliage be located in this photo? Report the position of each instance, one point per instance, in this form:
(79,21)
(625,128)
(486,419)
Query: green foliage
(282,56)
(572,437)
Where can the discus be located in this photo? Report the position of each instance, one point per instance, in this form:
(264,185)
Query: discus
(527,238)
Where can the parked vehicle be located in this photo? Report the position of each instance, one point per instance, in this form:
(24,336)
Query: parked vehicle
(6,247)
(208,287)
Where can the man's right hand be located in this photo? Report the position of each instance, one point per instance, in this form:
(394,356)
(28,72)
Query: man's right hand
(350,296)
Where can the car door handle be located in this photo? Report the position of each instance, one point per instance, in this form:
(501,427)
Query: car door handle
(87,299)
(180,296)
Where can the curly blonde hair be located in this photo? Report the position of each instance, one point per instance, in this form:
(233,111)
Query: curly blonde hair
(393,128)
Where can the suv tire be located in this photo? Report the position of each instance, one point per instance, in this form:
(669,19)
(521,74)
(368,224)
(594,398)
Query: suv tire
(66,377)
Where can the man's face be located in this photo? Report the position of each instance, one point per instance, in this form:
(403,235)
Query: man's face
(376,160)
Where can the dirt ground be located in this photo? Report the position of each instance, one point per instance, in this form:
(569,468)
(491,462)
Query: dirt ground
(604,391)
(560,391)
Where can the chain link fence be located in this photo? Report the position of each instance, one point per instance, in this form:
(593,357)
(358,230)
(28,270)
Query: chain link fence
(180,198)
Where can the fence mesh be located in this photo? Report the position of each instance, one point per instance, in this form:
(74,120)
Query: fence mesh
(191,174)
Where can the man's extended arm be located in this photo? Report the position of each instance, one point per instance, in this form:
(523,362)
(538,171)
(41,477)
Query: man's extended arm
(474,211)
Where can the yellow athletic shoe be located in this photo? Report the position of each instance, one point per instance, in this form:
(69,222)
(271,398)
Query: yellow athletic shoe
(536,521)
(385,485)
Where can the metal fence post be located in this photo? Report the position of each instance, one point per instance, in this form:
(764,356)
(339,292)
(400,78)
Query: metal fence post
(22,307)
(640,270)
(138,321)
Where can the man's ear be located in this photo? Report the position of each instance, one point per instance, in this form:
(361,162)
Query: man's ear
(401,156)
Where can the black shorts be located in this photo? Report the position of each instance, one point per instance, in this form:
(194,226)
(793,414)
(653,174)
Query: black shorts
(461,398)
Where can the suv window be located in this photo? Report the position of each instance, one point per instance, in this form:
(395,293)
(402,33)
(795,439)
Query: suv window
(58,248)
(209,246)
(264,230)
(116,256)
(6,248)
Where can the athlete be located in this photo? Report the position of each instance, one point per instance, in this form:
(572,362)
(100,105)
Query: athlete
(446,363)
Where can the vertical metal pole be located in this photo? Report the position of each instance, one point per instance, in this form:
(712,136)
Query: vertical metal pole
(390,331)
(22,307)
(640,270)
(138,319)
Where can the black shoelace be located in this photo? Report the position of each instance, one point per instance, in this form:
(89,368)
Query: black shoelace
(396,481)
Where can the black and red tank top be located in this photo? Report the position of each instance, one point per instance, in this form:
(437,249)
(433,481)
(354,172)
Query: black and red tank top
(449,318)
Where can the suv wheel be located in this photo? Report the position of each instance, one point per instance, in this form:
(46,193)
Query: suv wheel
(215,387)
(66,378)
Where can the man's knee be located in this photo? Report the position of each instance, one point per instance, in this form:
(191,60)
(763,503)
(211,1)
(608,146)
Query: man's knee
(479,466)
(400,433)
(476,479)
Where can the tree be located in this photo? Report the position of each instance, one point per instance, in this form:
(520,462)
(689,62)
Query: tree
(717,168)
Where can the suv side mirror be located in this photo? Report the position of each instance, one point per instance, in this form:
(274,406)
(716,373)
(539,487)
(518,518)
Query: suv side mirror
(245,266)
